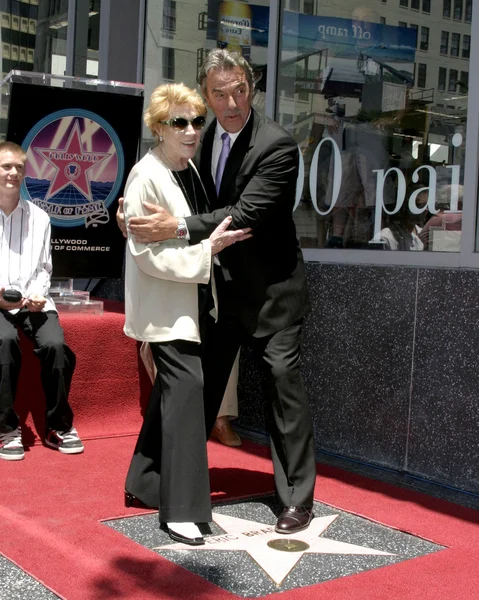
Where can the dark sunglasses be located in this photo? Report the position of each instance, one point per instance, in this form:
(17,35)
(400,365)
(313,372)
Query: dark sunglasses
(181,123)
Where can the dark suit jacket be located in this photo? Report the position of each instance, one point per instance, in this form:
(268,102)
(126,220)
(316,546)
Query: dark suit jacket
(264,276)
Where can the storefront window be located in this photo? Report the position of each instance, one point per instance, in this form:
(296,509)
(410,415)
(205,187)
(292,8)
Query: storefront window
(379,113)
(179,35)
(49,45)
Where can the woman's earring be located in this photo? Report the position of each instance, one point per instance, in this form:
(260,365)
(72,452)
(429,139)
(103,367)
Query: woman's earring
(160,138)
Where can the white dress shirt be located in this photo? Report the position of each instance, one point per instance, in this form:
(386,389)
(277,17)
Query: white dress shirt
(218,144)
(25,253)
(215,156)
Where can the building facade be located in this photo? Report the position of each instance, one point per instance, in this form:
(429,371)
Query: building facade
(382,100)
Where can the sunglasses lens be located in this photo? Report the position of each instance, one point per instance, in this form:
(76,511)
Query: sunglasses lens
(198,122)
(179,123)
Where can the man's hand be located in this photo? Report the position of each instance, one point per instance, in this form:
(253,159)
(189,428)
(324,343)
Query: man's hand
(221,238)
(4,305)
(35,303)
(157,227)
(120,217)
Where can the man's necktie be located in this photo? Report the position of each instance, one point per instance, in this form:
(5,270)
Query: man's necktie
(225,150)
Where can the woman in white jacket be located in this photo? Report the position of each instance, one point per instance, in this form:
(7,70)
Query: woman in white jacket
(168,288)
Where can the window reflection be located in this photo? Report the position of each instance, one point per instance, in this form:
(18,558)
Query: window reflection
(50,41)
(377,105)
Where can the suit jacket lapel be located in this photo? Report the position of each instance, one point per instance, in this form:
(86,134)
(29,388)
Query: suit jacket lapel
(236,157)
(205,152)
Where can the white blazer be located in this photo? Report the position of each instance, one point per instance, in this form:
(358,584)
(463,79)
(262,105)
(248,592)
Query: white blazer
(161,292)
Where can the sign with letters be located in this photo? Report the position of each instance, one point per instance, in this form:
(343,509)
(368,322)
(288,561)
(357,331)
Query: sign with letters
(80,149)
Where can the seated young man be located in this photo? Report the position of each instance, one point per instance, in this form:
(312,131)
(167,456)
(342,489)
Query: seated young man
(25,267)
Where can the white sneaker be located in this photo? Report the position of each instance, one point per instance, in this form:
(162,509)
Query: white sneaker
(66,442)
(11,447)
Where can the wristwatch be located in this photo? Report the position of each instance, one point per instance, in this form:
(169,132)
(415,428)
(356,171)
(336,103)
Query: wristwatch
(181,231)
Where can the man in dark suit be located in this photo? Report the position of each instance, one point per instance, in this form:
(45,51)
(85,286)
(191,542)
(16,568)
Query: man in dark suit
(261,282)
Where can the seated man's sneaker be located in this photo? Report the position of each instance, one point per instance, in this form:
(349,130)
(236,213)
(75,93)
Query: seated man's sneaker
(67,442)
(11,447)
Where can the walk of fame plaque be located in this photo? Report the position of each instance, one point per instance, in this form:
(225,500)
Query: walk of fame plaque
(245,555)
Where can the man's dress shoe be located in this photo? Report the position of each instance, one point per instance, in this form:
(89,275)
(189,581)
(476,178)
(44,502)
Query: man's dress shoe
(294,519)
(226,435)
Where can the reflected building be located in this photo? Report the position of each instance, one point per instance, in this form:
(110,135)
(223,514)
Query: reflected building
(389,84)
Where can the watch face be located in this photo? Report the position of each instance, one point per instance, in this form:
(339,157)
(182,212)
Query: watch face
(181,232)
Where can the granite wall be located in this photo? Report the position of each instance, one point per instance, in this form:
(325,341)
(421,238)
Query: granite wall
(391,366)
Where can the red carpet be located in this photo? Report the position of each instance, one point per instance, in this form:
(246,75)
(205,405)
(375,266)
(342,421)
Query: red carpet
(51,507)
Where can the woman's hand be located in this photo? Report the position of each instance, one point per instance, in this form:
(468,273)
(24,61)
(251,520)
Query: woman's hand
(221,237)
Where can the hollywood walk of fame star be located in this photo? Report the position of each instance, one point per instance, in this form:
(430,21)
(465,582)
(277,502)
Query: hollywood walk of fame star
(71,164)
(253,537)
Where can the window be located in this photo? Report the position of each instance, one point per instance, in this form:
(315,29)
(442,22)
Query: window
(169,15)
(468,15)
(308,7)
(424,45)
(415,4)
(464,81)
(169,63)
(347,216)
(294,5)
(415,27)
(452,80)
(455,43)
(441,80)
(444,42)
(421,75)
(458,10)
(466,46)
(446,9)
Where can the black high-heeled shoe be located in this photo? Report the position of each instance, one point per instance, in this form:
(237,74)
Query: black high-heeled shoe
(178,537)
(132,501)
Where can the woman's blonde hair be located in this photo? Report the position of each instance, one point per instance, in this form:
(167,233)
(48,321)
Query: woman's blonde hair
(163,98)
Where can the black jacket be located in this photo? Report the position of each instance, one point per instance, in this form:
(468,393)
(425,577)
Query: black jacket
(264,277)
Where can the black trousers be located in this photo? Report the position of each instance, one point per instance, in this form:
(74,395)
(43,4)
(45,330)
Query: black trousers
(57,362)
(291,429)
(169,468)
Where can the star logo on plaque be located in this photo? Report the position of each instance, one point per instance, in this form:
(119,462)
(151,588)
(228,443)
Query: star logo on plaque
(75,167)
(71,164)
